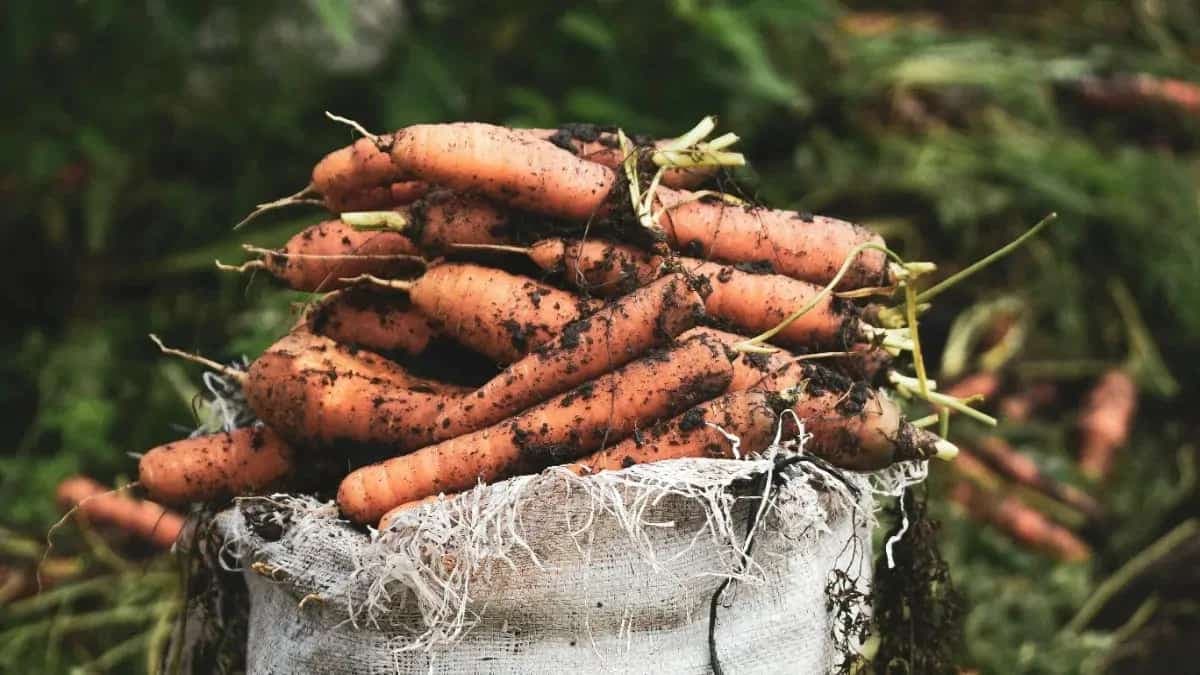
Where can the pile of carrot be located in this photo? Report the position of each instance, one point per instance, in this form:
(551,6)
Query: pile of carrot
(491,302)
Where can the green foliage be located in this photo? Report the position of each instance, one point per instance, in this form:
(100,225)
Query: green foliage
(145,130)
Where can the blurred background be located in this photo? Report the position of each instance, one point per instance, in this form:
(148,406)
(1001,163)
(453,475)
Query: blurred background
(138,133)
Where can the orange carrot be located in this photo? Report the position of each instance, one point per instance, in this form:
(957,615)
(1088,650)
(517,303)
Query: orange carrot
(856,429)
(362,177)
(1104,422)
(983,384)
(585,349)
(317,258)
(751,302)
(801,246)
(371,319)
(607,409)
(145,520)
(535,175)
(208,468)
(1022,523)
(498,314)
(1000,456)
(321,395)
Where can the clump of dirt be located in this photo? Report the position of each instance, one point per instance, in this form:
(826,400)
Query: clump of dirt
(918,611)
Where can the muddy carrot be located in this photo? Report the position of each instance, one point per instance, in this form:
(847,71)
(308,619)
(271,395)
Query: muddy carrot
(219,466)
(379,321)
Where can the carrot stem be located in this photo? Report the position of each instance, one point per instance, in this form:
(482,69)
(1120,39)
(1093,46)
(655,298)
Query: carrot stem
(937,289)
(910,386)
(249,265)
(376,220)
(221,368)
(1130,570)
(300,197)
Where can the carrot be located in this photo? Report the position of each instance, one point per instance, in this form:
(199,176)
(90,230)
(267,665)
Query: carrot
(145,520)
(386,520)
(851,427)
(538,176)
(802,246)
(316,258)
(498,314)
(749,301)
(367,318)
(1000,456)
(866,361)
(321,395)
(608,408)
(983,384)
(208,468)
(362,177)
(1104,422)
(1020,406)
(586,348)
(1022,523)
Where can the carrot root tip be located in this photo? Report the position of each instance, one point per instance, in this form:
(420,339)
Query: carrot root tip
(376,220)
(304,196)
(353,125)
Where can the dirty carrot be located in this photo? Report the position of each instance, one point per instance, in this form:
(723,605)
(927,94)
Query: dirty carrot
(97,504)
(750,301)
(316,258)
(604,410)
(207,468)
(375,320)
(438,220)
(585,349)
(321,395)
(498,314)
(1105,421)
(859,431)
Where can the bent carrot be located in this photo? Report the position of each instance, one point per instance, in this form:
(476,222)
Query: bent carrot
(586,348)
(498,314)
(1105,421)
(219,466)
(143,519)
(607,409)
(371,319)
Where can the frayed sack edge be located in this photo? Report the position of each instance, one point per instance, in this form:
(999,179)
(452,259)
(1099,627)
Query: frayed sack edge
(430,558)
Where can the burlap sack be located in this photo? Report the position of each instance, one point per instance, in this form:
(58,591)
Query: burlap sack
(557,573)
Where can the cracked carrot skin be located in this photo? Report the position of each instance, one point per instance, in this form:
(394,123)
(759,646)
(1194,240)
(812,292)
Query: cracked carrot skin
(143,519)
(605,410)
(209,468)
(320,395)
(318,257)
(379,321)
(587,348)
